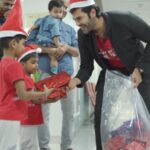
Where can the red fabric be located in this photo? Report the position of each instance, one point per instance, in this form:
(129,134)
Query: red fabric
(116,143)
(34,114)
(135,146)
(122,142)
(11,108)
(58,82)
(107,51)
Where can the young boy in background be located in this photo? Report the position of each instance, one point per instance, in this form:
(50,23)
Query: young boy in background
(45,31)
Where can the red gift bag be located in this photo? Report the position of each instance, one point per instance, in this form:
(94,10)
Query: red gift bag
(58,81)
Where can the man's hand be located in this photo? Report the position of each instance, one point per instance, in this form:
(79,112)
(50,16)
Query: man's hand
(49,50)
(136,77)
(73,83)
(65,46)
(61,51)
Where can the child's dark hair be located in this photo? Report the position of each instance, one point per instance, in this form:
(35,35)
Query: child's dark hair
(27,57)
(55,3)
(4,42)
(88,10)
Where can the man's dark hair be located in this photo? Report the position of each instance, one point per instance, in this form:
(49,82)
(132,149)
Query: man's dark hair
(27,57)
(88,10)
(4,42)
(55,3)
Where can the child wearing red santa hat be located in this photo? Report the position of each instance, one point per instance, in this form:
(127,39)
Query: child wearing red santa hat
(12,80)
(29,126)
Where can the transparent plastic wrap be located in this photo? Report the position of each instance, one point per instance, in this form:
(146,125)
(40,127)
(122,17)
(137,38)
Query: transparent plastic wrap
(125,121)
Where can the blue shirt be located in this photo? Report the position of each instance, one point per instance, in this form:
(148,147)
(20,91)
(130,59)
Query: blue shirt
(67,36)
(47,29)
(33,34)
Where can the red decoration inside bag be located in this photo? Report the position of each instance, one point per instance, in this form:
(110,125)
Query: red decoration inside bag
(135,146)
(115,143)
(58,81)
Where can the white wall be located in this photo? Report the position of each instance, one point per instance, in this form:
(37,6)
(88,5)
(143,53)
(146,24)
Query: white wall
(33,6)
(139,7)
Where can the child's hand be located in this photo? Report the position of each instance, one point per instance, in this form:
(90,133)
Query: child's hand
(47,91)
(52,51)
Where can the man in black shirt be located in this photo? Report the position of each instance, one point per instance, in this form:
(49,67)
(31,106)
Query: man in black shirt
(113,40)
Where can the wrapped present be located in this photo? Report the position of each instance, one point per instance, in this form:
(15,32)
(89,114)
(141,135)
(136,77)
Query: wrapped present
(58,81)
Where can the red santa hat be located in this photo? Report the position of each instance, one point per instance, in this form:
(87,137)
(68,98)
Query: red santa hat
(81,3)
(29,49)
(13,25)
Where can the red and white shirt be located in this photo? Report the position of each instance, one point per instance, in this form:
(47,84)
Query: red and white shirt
(11,108)
(108,52)
(34,114)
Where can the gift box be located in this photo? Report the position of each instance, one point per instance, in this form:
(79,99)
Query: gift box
(59,82)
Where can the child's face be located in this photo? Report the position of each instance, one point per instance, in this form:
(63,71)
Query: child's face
(19,47)
(57,12)
(31,65)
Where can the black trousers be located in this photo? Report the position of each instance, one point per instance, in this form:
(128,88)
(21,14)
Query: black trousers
(144,89)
